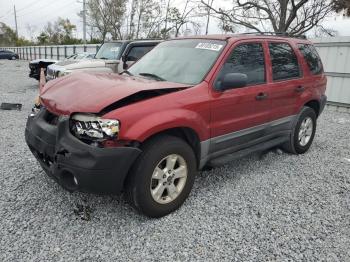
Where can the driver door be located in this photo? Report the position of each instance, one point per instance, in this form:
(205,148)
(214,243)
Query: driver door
(238,115)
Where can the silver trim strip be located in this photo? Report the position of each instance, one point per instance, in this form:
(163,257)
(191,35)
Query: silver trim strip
(205,145)
(223,138)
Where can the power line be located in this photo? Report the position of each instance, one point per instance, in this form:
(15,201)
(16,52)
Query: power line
(10,12)
(44,6)
(29,5)
(42,18)
(7,13)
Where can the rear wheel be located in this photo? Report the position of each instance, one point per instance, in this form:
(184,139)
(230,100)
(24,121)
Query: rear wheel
(303,132)
(13,58)
(162,177)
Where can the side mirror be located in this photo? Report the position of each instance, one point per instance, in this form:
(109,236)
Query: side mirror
(124,58)
(233,80)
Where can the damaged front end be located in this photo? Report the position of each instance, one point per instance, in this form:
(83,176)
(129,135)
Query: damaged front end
(74,164)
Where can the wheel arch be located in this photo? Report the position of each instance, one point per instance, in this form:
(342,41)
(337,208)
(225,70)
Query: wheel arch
(315,105)
(187,134)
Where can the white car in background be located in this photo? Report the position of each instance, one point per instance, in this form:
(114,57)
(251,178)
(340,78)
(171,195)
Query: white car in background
(114,56)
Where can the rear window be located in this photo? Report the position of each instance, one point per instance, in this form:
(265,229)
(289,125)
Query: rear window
(284,61)
(312,58)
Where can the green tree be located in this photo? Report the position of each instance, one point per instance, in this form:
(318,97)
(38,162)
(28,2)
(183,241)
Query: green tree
(59,33)
(7,35)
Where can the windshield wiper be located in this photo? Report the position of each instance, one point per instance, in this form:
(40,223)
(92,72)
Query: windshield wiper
(158,78)
(104,58)
(126,72)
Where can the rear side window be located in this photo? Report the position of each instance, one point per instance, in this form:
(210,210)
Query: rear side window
(312,58)
(246,59)
(138,51)
(284,61)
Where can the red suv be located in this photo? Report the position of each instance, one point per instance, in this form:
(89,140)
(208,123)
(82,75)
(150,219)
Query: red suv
(189,103)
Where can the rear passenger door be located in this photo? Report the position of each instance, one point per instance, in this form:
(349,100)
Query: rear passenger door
(287,79)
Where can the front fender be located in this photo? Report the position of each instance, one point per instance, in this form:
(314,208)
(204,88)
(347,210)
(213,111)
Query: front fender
(160,121)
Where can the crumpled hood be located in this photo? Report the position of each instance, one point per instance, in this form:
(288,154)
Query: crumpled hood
(93,63)
(92,92)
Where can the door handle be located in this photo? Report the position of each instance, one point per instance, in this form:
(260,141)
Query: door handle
(261,96)
(300,89)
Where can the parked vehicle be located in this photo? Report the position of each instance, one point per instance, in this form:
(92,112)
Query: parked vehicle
(189,103)
(6,54)
(73,59)
(107,58)
(36,65)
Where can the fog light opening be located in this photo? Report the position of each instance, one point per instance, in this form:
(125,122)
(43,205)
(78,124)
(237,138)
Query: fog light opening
(75,180)
(69,181)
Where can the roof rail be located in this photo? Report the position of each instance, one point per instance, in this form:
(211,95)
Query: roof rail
(281,34)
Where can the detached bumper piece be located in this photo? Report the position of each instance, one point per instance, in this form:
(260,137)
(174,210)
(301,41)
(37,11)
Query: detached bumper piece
(72,163)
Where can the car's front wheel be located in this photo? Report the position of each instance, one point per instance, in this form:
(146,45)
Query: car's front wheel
(162,177)
(303,132)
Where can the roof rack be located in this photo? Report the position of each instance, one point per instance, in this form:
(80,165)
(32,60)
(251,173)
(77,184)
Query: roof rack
(281,34)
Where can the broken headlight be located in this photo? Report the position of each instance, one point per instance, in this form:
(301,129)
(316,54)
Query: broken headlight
(93,128)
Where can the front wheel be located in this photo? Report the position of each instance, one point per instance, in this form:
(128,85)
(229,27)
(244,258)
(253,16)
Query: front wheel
(303,132)
(162,177)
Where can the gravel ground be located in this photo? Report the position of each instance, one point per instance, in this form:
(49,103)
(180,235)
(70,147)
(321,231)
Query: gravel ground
(278,207)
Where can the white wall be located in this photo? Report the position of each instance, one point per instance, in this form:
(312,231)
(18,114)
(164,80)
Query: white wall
(335,55)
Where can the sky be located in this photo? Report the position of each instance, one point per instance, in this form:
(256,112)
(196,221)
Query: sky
(37,13)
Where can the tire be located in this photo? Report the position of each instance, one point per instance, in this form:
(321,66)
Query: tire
(302,137)
(13,58)
(144,178)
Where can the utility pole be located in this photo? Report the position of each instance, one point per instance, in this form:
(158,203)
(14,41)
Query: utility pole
(84,21)
(14,11)
(208,16)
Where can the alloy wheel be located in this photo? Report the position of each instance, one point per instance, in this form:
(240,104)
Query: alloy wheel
(169,179)
(305,131)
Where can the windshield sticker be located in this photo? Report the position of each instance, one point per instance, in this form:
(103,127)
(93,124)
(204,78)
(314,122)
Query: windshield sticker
(209,46)
(114,49)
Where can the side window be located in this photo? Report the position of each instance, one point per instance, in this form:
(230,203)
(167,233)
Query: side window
(284,61)
(246,59)
(312,58)
(137,52)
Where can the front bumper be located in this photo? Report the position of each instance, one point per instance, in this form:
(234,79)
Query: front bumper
(74,164)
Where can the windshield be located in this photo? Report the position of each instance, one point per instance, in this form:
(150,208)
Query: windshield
(109,51)
(181,61)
